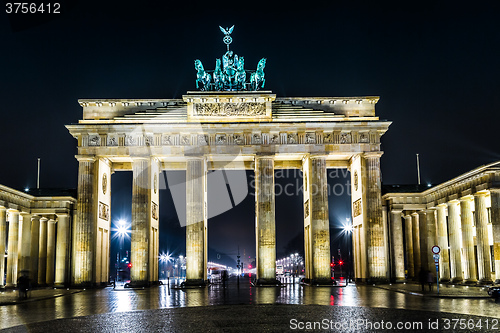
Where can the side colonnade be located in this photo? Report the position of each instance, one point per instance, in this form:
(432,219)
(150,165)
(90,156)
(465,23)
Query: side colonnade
(35,234)
(461,216)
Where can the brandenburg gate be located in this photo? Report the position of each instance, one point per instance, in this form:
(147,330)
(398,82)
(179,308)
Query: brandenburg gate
(227,130)
(229,124)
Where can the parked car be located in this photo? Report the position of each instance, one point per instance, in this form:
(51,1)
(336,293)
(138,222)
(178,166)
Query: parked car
(494,292)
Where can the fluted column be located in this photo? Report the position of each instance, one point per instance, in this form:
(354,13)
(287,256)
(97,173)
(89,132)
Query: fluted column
(13,248)
(424,248)
(417,261)
(3,237)
(454,232)
(34,248)
(444,258)
(409,247)
(51,252)
(84,233)
(375,229)
(42,252)
(265,221)
(467,217)
(495,224)
(62,248)
(196,219)
(140,222)
(25,242)
(397,249)
(432,238)
(483,247)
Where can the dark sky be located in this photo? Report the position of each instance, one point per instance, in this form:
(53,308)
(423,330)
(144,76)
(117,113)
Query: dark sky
(433,63)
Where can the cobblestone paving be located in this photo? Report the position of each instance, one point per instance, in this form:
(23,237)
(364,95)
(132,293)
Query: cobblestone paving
(241,304)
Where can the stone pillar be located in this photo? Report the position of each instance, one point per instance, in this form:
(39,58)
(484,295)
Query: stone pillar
(432,238)
(34,248)
(454,232)
(140,223)
(444,259)
(62,250)
(265,222)
(377,244)
(409,247)
(417,261)
(13,248)
(495,224)
(25,243)
(425,251)
(397,250)
(3,237)
(466,204)
(85,225)
(196,220)
(483,247)
(51,252)
(42,252)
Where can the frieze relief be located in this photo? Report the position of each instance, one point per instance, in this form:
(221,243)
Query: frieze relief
(229,109)
(94,140)
(238,139)
(310,138)
(220,139)
(292,138)
(256,139)
(274,139)
(112,141)
(328,138)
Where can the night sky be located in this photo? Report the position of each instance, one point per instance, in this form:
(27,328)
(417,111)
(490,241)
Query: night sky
(434,64)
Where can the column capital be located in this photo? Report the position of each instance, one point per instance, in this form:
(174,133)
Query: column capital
(35,217)
(24,213)
(373,154)
(396,211)
(415,213)
(52,221)
(264,155)
(481,193)
(453,202)
(43,219)
(65,214)
(85,158)
(467,198)
(12,210)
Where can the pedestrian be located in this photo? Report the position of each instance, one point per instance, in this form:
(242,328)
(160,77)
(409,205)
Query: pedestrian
(422,278)
(430,279)
(23,282)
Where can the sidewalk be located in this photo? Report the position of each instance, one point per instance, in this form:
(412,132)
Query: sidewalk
(11,296)
(445,290)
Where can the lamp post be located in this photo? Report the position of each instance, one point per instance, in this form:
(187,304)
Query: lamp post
(348,231)
(122,232)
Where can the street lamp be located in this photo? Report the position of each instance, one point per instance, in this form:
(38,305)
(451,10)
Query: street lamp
(121,231)
(348,229)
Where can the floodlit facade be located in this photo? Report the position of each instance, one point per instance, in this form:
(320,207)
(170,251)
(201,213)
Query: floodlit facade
(461,216)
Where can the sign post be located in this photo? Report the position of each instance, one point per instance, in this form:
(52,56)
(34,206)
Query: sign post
(435,249)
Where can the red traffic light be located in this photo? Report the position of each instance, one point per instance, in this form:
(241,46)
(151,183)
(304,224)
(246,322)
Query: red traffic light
(129,265)
(332,264)
(249,266)
(341,262)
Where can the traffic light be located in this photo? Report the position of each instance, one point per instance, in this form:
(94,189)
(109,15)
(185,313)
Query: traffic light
(341,262)
(332,264)
(129,265)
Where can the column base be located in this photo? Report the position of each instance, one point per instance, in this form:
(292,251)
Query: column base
(470,282)
(485,282)
(456,280)
(444,280)
(267,282)
(137,284)
(194,283)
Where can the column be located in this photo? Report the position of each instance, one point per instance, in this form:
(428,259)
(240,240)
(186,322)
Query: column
(377,244)
(432,238)
(85,225)
(495,224)
(42,252)
(265,222)
(409,247)
(397,250)
(51,251)
(424,247)
(62,248)
(466,204)
(417,262)
(25,242)
(13,248)
(140,223)
(3,237)
(483,247)
(455,249)
(444,259)
(34,248)
(196,219)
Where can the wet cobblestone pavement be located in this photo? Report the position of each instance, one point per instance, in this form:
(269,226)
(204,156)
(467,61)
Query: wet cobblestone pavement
(216,309)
